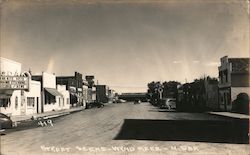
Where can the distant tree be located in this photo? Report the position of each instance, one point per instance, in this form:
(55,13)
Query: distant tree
(170,89)
(153,93)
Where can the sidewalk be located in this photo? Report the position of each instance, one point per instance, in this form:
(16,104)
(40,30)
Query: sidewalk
(46,115)
(230,114)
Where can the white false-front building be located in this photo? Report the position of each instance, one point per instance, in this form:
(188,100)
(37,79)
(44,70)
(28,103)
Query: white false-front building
(19,95)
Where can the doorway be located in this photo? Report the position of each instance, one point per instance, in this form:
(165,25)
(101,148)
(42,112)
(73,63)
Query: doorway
(37,104)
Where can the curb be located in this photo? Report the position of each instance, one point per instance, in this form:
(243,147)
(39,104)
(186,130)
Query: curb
(15,123)
(238,116)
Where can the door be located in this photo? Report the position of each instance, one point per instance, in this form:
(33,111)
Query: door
(37,104)
(225,101)
(23,103)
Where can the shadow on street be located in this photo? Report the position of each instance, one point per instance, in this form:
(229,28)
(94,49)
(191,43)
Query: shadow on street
(231,131)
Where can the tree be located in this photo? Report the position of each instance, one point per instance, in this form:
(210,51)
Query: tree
(241,104)
(170,89)
(153,93)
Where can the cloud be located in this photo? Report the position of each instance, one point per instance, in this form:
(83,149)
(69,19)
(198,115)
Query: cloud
(196,61)
(177,62)
(212,64)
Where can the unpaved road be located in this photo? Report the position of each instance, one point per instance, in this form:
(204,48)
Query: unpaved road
(127,129)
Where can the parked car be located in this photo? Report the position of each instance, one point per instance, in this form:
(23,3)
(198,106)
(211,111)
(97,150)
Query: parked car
(5,122)
(94,104)
(168,103)
(137,101)
(120,101)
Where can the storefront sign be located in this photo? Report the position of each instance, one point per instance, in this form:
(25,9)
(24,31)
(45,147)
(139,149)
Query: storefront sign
(72,89)
(14,82)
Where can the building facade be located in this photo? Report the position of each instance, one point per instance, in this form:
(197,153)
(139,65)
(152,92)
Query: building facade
(10,99)
(19,95)
(91,90)
(33,98)
(112,96)
(74,84)
(51,98)
(233,80)
(85,94)
(65,102)
(102,93)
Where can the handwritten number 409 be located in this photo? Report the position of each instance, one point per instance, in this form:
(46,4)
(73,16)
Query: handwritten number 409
(45,123)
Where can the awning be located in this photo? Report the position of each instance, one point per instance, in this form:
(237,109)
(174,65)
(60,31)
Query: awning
(4,96)
(53,92)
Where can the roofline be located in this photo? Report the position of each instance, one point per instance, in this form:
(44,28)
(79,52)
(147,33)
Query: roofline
(10,60)
(247,58)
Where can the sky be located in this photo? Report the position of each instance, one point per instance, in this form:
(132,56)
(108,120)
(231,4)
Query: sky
(124,44)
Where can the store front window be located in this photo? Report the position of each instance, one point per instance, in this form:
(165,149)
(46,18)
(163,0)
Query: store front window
(5,102)
(30,101)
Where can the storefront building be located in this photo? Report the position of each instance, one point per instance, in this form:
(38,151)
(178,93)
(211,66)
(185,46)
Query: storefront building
(91,90)
(65,103)
(19,95)
(102,93)
(51,98)
(233,80)
(74,84)
(33,98)
(85,93)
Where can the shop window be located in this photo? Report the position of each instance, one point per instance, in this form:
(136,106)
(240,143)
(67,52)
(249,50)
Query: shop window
(5,102)
(49,99)
(16,102)
(30,101)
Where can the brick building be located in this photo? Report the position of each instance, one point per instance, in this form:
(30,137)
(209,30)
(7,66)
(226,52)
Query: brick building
(233,80)
(74,84)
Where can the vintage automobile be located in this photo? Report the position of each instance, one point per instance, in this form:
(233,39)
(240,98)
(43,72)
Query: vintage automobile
(120,101)
(94,104)
(168,103)
(137,101)
(5,122)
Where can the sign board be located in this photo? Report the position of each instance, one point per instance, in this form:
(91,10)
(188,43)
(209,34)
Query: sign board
(72,89)
(14,82)
(160,90)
